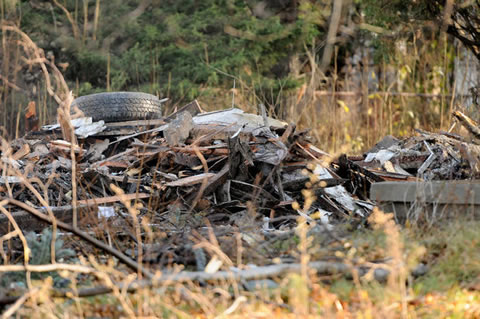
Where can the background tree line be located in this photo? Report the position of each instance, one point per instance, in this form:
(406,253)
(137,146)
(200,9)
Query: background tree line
(276,52)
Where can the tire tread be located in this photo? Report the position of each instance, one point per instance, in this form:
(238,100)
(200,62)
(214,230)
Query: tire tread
(119,106)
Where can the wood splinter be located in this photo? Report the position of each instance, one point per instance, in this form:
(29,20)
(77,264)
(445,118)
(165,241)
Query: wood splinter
(468,123)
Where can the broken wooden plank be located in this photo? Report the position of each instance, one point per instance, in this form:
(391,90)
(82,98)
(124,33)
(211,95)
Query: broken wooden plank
(113,199)
(209,150)
(217,180)
(236,116)
(28,222)
(193,108)
(117,164)
(191,180)
(288,132)
(115,157)
(153,130)
(22,152)
(64,146)
(10,180)
(468,123)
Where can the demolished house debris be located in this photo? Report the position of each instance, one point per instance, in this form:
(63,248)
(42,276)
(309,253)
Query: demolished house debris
(217,162)
(214,162)
(243,173)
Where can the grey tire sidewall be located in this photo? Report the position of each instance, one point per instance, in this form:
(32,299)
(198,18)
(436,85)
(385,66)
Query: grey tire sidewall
(119,106)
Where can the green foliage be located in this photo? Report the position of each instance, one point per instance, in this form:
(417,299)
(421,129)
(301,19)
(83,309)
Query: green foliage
(397,19)
(391,14)
(179,47)
(41,248)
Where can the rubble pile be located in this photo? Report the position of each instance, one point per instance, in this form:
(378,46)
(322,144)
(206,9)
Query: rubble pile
(226,164)
(442,156)
(429,156)
(235,169)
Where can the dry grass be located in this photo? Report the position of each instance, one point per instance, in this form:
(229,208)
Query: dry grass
(27,54)
(449,290)
(356,105)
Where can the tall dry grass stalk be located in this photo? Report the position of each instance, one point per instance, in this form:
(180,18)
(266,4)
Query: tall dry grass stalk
(95,20)
(25,53)
(68,132)
(58,89)
(72,20)
(397,280)
(35,56)
(85,21)
(108,73)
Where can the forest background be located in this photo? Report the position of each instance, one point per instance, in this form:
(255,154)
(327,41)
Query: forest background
(350,70)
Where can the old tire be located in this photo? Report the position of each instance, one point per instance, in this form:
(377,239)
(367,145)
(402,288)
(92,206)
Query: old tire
(119,106)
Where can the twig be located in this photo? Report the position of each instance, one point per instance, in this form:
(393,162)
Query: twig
(75,29)
(26,249)
(468,123)
(233,94)
(18,303)
(41,60)
(112,251)
(153,130)
(204,181)
(133,213)
(321,267)
(5,237)
(9,84)
(47,268)
(44,201)
(427,162)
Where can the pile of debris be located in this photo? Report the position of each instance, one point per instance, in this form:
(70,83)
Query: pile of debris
(425,157)
(428,156)
(420,178)
(221,160)
(235,169)
(226,164)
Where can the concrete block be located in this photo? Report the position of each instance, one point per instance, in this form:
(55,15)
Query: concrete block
(427,200)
